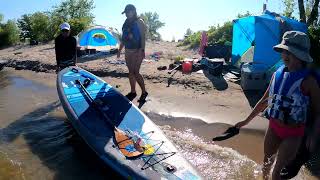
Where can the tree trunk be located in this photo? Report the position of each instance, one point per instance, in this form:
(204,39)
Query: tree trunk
(314,13)
(302,11)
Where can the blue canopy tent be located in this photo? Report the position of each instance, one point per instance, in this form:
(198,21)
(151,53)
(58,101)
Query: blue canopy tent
(98,38)
(254,37)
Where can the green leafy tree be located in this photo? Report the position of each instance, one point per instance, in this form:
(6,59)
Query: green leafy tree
(76,12)
(221,34)
(40,27)
(289,7)
(9,35)
(309,14)
(309,11)
(55,22)
(24,24)
(216,34)
(192,40)
(36,26)
(73,9)
(314,14)
(302,11)
(244,15)
(44,26)
(153,24)
(308,7)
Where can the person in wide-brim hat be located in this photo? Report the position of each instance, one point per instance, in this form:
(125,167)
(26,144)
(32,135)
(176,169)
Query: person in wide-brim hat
(297,43)
(293,90)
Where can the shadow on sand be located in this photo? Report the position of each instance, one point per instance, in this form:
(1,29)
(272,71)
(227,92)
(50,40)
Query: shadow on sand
(218,82)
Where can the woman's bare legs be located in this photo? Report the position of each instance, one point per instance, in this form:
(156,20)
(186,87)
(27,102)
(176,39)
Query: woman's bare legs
(271,145)
(134,61)
(137,74)
(287,152)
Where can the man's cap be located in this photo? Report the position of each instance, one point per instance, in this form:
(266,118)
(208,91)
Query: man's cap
(129,7)
(65,26)
(297,43)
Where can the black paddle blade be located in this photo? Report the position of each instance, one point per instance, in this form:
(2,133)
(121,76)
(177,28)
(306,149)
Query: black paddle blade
(230,132)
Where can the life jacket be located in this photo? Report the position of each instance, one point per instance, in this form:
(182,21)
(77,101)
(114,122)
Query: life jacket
(286,102)
(131,37)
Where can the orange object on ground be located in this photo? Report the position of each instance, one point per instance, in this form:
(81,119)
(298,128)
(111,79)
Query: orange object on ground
(187,67)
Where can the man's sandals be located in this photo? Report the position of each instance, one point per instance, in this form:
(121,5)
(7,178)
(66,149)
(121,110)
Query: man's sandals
(143,97)
(132,95)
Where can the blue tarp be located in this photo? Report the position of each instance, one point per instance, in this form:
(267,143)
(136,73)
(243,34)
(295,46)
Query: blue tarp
(98,38)
(262,32)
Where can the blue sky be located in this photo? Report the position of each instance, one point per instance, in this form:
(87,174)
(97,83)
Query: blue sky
(178,15)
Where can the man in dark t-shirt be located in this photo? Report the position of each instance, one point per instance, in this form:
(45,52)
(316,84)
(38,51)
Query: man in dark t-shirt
(65,48)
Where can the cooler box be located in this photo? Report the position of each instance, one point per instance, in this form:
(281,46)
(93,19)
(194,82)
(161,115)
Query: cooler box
(254,76)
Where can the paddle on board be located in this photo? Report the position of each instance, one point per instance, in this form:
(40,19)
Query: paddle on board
(123,141)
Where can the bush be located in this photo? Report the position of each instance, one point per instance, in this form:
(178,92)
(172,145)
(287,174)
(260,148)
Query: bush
(9,34)
(217,34)
(192,40)
(40,27)
(44,26)
(221,34)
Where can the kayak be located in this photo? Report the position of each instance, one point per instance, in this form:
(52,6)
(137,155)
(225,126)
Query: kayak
(118,131)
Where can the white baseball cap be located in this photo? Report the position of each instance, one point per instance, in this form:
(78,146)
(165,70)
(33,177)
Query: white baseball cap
(65,25)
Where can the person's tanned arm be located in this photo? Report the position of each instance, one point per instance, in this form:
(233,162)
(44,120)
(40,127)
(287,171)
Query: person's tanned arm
(120,49)
(142,29)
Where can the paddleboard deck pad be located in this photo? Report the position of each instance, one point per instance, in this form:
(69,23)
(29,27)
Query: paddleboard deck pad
(159,158)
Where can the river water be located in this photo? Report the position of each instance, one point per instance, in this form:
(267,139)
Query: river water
(36,141)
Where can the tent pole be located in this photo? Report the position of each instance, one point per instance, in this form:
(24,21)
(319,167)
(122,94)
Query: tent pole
(264,8)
